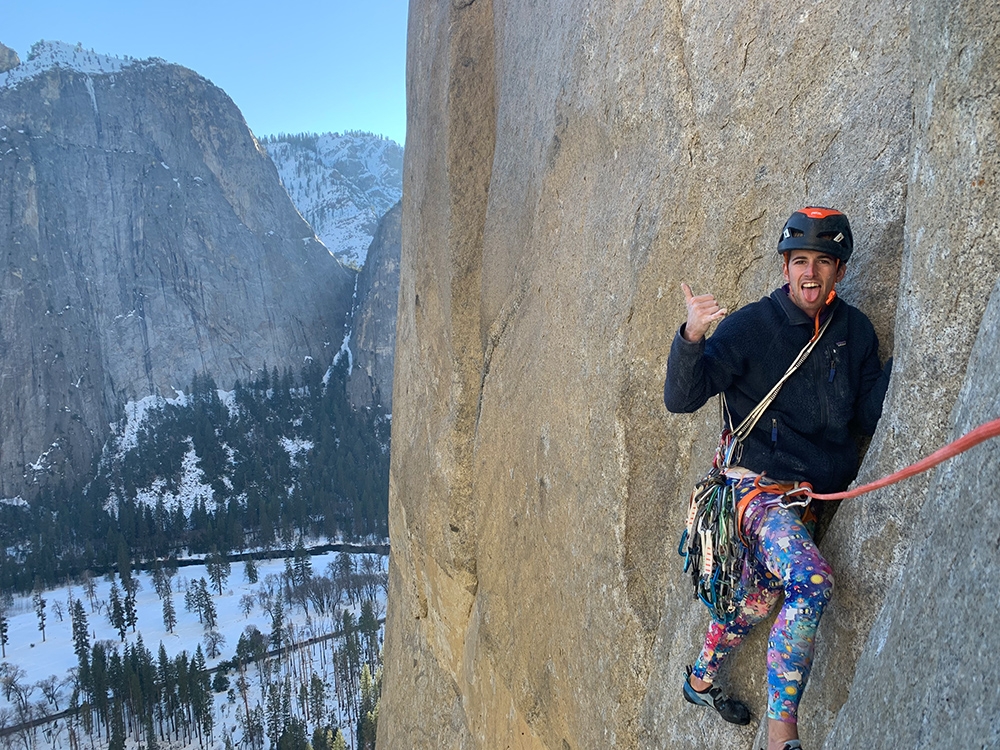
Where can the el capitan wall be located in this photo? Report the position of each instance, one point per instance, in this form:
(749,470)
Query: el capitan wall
(568,165)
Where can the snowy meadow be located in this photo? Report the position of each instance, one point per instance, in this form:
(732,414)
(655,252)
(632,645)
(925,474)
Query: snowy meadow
(303,619)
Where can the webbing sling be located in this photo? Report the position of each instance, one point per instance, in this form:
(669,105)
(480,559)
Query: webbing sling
(750,421)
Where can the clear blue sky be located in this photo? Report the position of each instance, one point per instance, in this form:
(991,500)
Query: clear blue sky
(291,67)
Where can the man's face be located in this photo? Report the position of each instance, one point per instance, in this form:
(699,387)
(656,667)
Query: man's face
(811,276)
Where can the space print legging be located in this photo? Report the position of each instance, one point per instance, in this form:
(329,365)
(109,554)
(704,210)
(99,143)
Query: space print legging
(783,557)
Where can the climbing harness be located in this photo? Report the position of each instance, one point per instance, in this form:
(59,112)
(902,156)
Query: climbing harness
(711,544)
(716,565)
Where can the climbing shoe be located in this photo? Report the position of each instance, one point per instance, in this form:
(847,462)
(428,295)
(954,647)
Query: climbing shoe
(792,745)
(729,709)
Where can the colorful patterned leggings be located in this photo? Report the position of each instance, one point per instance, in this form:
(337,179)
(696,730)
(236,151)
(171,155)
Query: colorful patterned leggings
(783,557)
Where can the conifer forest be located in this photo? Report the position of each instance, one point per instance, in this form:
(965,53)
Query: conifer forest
(287,457)
(190,496)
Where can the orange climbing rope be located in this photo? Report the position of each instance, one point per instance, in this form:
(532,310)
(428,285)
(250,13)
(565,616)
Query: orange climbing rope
(977,436)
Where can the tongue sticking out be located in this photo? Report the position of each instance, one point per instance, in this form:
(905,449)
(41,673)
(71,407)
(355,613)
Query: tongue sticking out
(811,293)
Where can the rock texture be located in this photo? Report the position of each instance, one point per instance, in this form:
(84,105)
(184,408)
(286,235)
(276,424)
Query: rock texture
(145,236)
(373,321)
(568,165)
(8,59)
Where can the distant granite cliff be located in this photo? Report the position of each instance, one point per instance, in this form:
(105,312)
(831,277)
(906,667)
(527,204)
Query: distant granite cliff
(373,323)
(8,59)
(568,165)
(145,236)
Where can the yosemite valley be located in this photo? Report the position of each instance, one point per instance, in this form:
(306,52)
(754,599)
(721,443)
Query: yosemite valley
(195,379)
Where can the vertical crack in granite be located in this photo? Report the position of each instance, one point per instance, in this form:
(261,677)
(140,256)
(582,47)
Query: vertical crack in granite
(471,138)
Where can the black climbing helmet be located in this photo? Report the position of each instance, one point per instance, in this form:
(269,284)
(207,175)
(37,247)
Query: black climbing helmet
(816,228)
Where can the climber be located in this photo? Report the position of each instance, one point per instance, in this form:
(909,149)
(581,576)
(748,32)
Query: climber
(807,434)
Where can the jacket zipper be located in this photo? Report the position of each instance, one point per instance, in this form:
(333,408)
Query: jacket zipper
(823,392)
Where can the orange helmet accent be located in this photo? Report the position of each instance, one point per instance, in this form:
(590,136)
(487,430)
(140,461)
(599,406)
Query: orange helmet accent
(819,212)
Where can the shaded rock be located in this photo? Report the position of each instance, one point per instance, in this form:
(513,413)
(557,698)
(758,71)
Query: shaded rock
(8,59)
(373,321)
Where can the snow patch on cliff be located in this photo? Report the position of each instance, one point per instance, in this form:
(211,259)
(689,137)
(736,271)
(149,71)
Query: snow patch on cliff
(46,55)
(341,184)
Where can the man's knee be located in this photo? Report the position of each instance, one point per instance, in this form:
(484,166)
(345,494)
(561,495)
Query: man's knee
(812,587)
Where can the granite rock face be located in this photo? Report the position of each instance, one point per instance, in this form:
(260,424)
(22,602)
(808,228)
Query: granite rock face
(145,236)
(8,59)
(567,166)
(373,322)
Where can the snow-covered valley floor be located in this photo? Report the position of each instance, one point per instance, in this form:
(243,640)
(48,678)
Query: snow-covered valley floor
(43,668)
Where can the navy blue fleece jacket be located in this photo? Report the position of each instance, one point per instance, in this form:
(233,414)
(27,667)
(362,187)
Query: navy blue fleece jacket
(809,432)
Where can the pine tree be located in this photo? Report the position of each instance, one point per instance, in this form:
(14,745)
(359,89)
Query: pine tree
(328,738)
(161,583)
(293,736)
(99,681)
(81,640)
(130,586)
(250,570)
(3,631)
(151,743)
(192,600)
(117,683)
(167,683)
(117,740)
(302,564)
(116,612)
(207,605)
(218,570)
(124,559)
(275,725)
(39,603)
(371,688)
(277,625)
(369,627)
(201,693)
(220,683)
(169,614)
(181,670)
(317,698)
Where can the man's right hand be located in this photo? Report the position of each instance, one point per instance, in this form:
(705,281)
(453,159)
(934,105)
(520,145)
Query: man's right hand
(703,310)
